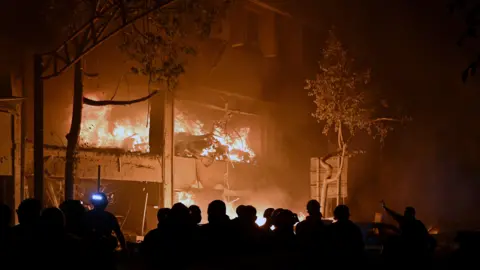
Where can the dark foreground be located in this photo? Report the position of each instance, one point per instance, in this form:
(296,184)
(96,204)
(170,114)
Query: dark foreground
(73,238)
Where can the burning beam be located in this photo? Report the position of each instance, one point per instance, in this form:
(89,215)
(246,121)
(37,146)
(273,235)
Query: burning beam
(92,102)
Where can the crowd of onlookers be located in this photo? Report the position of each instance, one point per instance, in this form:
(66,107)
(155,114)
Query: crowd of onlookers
(70,237)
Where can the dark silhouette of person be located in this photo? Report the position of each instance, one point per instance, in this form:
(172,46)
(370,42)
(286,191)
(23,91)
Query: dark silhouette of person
(215,234)
(283,245)
(247,233)
(28,213)
(5,222)
(240,211)
(179,234)
(5,235)
(75,213)
(26,234)
(414,236)
(196,214)
(311,232)
(101,225)
(284,235)
(154,241)
(55,242)
(162,216)
(267,214)
(346,239)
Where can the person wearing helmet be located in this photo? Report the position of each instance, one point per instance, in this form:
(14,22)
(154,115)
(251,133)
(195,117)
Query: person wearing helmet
(101,224)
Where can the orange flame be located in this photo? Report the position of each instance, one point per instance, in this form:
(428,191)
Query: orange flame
(131,133)
(99,130)
(187,199)
(236,143)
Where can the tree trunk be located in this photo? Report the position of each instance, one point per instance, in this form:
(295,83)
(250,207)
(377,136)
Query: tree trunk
(329,177)
(341,145)
(326,181)
(323,200)
(74,133)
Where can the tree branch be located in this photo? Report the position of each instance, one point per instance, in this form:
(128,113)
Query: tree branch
(92,102)
(385,119)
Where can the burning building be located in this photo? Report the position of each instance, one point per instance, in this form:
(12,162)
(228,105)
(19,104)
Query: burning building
(215,138)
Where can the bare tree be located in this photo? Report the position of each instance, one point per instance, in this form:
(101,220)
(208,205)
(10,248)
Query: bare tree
(345,107)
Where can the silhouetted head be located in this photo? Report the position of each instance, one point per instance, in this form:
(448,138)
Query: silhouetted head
(72,209)
(275,215)
(285,220)
(341,213)
(241,211)
(196,214)
(409,212)
(28,211)
(99,200)
(250,213)
(5,215)
(179,213)
(313,208)
(52,219)
(267,214)
(162,215)
(217,210)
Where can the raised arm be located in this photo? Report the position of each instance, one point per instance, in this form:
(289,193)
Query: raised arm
(396,216)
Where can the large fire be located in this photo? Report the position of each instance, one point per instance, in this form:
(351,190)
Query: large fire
(217,143)
(187,199)
(101,128)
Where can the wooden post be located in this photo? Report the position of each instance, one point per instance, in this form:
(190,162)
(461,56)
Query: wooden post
(168,149)
(99,180)
(38,102)
(16,158)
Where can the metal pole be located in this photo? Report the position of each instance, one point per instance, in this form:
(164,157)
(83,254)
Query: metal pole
(99,181)
(38,97)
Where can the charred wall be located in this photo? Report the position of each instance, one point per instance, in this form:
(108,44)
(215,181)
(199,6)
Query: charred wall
(127,178)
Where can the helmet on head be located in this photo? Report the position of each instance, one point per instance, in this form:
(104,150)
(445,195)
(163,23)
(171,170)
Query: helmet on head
(99,200)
